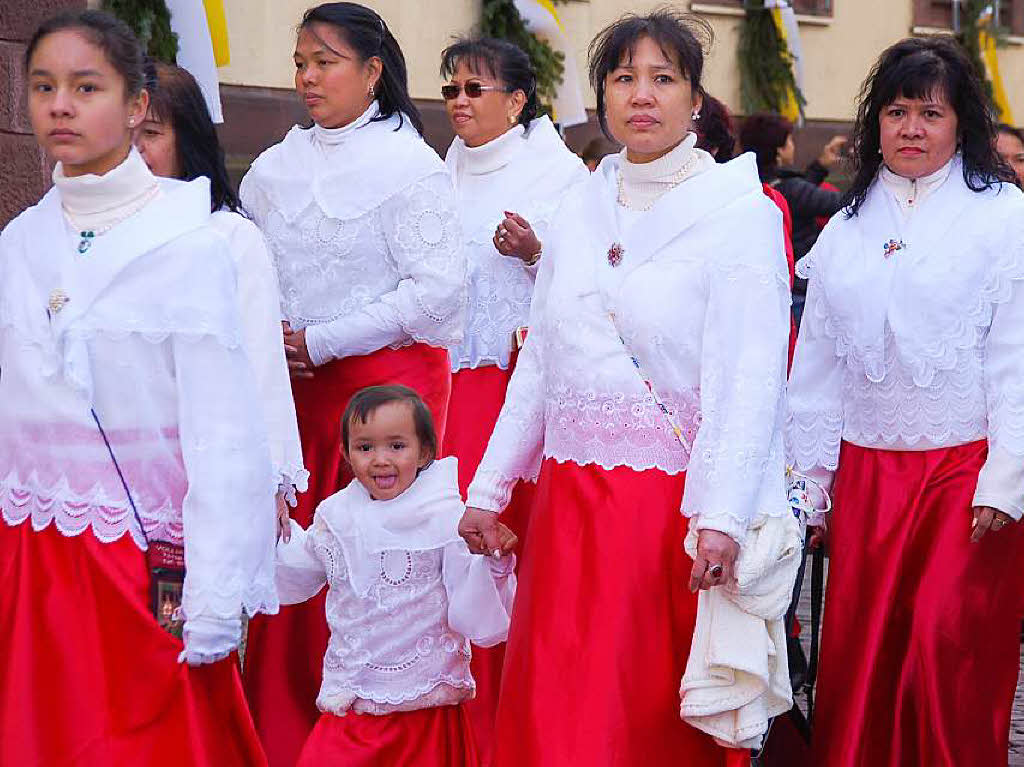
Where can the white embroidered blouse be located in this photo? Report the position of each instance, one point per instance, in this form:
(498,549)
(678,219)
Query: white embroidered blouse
(405,597)
(364,233)
(525,171)
(699,289)
(913,332)
(149,339)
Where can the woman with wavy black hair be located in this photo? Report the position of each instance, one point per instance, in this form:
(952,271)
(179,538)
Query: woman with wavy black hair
(906,392)
(666,261)
(361,220)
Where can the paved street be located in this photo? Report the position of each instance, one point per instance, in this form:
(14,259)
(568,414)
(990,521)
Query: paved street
(1016,757)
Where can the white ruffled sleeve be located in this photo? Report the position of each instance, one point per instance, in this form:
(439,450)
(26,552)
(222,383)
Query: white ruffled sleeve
(480,594)
(1001,482)
(814,419)
(228,511)
(261,327)
(300,573)
(516,446)
(422,231)
(742,380)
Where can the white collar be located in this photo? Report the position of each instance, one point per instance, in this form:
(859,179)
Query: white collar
(425,517)
(495,154)
(94,202)
(329,137)
(910,193)
(662,169)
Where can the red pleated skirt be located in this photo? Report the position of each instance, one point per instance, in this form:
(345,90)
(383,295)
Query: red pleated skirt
(477,397)
(921,636)
(88,678)
(429,737)
(285,652)
(601,628)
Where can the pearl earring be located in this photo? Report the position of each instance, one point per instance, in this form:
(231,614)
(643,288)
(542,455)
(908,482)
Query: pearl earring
(695,116)
(369,91)
(131,122)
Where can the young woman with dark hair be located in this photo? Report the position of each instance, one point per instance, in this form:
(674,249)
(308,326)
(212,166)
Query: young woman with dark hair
(129,424)
(511,170)
(905,396)
(1010,146)
(361,219)
(178,140)
(666,258)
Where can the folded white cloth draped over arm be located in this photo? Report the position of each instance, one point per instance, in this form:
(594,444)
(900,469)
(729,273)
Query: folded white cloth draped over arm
(737,675)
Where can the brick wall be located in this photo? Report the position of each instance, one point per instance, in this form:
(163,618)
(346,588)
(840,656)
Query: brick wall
(24,174)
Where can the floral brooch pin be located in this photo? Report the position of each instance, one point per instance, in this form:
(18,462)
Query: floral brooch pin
(892,246)
(615,254)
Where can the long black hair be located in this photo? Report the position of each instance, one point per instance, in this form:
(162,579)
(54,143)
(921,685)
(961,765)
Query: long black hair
(367,34)
(177,99)
(715,130)
(106,32)
(918,68)
(680,36)
(504,61)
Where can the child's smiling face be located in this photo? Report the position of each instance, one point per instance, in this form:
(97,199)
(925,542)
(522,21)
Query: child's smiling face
(385,453)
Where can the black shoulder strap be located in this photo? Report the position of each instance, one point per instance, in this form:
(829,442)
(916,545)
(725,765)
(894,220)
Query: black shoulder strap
(120,474)
(817,599)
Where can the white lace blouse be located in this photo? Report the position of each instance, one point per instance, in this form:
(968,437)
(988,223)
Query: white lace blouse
(699,289)
(405,597)
(528,172)
(364,233)
(913,332)
(149,339)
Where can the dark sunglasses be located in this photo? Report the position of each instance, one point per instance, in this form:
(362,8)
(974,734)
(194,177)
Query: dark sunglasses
(473,90)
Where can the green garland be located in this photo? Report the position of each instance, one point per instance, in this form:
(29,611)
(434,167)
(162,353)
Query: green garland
(151,22)
(501,19)
(766,66)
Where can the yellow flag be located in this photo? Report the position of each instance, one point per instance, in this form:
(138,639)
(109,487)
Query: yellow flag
(541,18)
(785,22)
(990,58)
(218,24)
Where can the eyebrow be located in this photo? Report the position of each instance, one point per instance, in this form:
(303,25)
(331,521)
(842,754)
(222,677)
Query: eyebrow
(665,65)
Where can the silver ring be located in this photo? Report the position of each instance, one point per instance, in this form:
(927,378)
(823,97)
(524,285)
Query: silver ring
(716,571)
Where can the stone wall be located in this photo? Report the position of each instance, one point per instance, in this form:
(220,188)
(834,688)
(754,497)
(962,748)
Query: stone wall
(24,173)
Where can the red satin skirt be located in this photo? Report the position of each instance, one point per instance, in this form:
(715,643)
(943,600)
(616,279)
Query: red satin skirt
(89,679)
(429,737)
(921,635)
(477,397)
(601,628)
(285,652)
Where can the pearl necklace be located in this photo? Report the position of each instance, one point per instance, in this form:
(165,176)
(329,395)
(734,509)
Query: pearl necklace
(672,181)
(88,235)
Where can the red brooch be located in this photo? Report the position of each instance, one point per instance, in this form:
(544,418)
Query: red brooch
(892,246)
(615,253)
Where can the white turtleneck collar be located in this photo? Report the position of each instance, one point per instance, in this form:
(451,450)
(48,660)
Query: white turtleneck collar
(495,154)
(910,193)
(97,203)
(642,184)
(330,137)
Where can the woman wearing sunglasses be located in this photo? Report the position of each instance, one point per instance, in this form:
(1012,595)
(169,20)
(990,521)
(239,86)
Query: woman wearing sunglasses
(360,218)
(663,258)
(511,170)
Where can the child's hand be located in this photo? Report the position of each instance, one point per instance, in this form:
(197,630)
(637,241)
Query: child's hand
(284,525)
(507,541)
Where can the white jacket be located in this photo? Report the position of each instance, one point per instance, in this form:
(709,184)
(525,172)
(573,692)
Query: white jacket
(702,297)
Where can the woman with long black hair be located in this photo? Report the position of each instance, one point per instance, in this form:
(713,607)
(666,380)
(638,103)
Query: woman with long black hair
(129,426)
(906,392)
(361,221)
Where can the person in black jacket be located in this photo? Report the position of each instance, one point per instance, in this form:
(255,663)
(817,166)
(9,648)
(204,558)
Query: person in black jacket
(770,138)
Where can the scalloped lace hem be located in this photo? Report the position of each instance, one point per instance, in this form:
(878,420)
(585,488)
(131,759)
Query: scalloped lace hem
(813,439)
